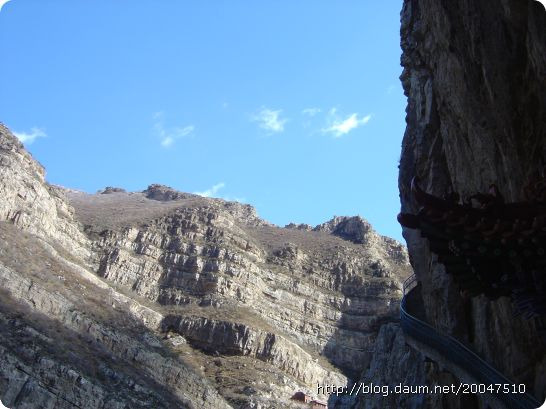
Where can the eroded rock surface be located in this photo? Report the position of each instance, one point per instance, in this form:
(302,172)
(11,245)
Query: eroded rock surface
(167,299)
(474,74)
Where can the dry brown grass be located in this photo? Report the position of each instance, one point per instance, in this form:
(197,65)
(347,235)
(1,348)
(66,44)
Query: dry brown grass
(31,336)
(119,210)
(23,253)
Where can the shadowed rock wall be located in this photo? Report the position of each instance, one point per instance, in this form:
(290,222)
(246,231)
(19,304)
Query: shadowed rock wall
(475,78)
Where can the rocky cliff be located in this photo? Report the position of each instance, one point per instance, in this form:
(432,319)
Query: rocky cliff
(475,77)
(166,299)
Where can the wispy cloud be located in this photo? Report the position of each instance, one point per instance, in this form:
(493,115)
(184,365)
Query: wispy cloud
(30,137)
(311,111)
(339,127)
(270,120)
(212,191)
(169,135)
(235,199)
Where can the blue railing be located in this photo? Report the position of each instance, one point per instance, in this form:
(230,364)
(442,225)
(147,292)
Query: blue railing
(460,355)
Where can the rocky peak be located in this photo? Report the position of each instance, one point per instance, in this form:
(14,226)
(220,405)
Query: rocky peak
(243,212)
(111,189)
(354,228)
(13,153)
(8,141)
(30,203)
(164,193)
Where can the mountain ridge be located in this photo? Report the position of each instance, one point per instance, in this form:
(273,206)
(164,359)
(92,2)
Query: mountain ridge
(166,283)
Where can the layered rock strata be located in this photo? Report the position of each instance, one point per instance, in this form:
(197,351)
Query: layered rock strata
(167,299)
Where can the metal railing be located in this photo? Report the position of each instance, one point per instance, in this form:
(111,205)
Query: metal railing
(459,354)
(409,284)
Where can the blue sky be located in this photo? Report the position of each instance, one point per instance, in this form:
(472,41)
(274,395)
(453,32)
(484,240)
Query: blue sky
(292,106)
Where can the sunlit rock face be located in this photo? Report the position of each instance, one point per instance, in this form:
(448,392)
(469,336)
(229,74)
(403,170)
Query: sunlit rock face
(166,299)
(475,77)
(323,293)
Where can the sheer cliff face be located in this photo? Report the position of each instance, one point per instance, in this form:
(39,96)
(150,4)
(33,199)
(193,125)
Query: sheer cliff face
(475,78)
(166,299)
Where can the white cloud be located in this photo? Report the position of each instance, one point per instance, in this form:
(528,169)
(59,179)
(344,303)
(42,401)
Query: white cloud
(311,111)
(170,135)
(340,127)
(3,3)
(270,120)
(28,138)
(212,191)
(167,141)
